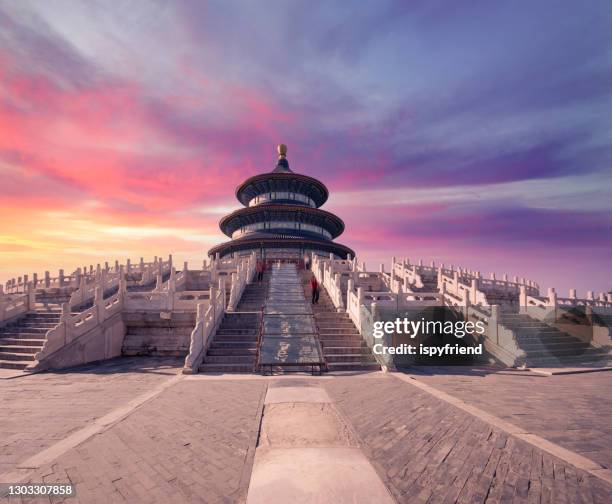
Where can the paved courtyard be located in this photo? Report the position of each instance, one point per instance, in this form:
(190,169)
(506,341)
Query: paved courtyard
(134,430)
(573,410)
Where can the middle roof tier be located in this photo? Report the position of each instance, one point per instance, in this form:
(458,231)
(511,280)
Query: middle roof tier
(283,217)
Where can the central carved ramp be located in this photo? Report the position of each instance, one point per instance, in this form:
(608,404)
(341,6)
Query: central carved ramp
(289,339)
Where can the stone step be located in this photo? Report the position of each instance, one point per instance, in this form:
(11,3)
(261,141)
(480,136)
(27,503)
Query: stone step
(30,330)
(19,349)
(229,359)
(16,356)
(250,307)
(226,368)
(13,364)
(226,325)
(351,366)
(252,336)
(159,332)
(348,333)
(334,322)
(252,350)
(567,352)
(233,344)
(553,344)
(343,350)
(604,361)
(22,342)
(559,338)
(343,343)
(145,342)
(154,351)
(543,328)
(241,316)
(22,335)
(329,318)
(521,325)
(34,323)
(237,332)
(337,332)
(355,358)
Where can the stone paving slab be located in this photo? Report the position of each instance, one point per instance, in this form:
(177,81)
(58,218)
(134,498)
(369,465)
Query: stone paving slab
(38,410)
(337,475)
(194,443)
(574,411)
(428,451)
(308,454)
(297,395)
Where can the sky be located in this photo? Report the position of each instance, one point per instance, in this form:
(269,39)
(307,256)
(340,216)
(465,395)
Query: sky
(473,133)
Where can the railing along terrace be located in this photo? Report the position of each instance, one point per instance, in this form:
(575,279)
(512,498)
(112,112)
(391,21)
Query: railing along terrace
(62,279)
(465,275)
(546,307)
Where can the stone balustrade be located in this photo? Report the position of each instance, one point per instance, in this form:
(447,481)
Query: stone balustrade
(87,287)
(19,284)
(74,326)
(13,306)
(240,278)
(208,319)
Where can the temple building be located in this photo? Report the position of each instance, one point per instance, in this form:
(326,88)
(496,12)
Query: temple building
(282,218)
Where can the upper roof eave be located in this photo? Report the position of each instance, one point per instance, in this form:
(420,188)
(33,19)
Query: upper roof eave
(319,196)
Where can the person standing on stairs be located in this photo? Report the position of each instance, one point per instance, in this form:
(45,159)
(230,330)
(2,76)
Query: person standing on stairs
(306,261)
(314,286)
(260,271)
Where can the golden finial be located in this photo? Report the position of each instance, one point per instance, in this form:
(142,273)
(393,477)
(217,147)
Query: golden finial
(282,151)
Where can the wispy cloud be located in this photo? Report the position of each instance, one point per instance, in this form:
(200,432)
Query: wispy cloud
(443,127)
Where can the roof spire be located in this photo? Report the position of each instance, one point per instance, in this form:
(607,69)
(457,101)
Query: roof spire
(282,166)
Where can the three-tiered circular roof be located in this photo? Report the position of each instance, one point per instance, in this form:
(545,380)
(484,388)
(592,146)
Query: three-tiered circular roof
(282,212)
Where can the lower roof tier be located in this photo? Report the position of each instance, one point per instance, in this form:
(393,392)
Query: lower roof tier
(269,244)
(278,213)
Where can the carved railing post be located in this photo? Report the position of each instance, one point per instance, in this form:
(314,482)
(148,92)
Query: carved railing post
(493,324)
(522,297)
(99,303)
(474,290)
(31,296)
(213,301)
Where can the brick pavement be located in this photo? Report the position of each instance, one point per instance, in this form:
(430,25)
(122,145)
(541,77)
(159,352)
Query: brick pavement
(574,411)
(194,442)
(427,450)
(38,410)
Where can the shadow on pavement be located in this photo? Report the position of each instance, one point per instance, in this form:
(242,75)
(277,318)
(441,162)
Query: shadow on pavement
(151,365)
(472,371)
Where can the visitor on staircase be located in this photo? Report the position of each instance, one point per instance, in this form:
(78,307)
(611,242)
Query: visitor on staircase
(314,286)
